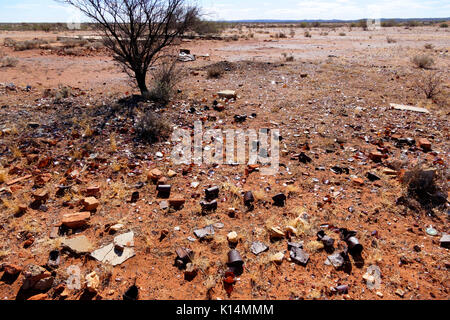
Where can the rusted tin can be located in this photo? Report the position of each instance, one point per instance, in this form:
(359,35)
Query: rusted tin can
(235,259)
(248,198)
(212,193)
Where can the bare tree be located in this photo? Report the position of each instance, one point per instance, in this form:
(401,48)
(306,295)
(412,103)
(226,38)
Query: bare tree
(137,31)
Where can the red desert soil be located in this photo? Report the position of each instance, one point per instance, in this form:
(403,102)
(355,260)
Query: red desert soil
(331,103)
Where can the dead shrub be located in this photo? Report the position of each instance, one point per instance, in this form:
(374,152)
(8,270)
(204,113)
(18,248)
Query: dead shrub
(342,34)
(62,92)
(29,44)
(151,127)
(288,58)
(428,46)
(429,84)
(97,45)
(73,51)
(9,42)
(73,43)
(425,187)
(308,34)
(7,62)
(215,72)
(423,61)
(391,40)
(165,78)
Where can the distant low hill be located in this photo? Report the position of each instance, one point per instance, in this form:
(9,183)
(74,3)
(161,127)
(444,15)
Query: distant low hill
(336,20)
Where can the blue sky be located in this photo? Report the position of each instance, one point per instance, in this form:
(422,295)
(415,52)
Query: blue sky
(52,11)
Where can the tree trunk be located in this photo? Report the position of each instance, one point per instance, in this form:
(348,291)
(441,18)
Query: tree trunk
(141,82)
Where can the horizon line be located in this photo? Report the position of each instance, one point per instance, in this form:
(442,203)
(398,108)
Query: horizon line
(270,20)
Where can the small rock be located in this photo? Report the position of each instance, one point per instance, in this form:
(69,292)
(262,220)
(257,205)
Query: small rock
(232,237)
(276,233)
(358,181)
(40,195)
(277,258)
(93,191)
(92,282)
(44,284)
(116,227)
(75,220)
(154,175)
(41,296)
(12,269)
(32,274)
(400,293)
(376,156)
(290,230)
(171,173)
(424,144)
(90,204)
(389,172)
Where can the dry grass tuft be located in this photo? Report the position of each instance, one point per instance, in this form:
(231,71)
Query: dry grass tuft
(151,127)
(3,175)
(423,61)
(215,72)
(9,62)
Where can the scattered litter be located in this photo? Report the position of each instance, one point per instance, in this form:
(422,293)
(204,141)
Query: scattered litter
(408,108)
